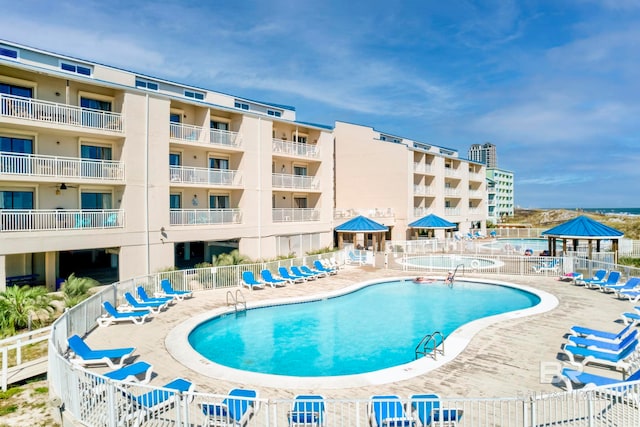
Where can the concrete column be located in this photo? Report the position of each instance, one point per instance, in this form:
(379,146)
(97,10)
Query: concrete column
(3,274)
(50,270)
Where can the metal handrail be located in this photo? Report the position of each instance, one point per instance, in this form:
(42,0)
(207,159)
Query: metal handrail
(433,351)
(237,300)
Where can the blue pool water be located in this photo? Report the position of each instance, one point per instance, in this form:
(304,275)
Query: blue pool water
(370,329)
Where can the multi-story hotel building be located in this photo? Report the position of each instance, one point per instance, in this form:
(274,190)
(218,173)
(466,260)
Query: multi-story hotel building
(104,167)
(500,194)
(396,180)
(484,153)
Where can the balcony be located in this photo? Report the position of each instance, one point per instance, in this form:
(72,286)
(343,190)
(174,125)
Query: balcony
(281,146)
(421,168)
(452,211)
(205,216)
(422,190)
(295,215)
(62,114)
(300,182)
(206,136)
(449,191)
(368,212)
(450,172)
(205,176)
(34,165)
(420,212)
(57,219)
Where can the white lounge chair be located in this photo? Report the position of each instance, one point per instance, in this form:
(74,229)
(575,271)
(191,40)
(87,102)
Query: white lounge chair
(114,316)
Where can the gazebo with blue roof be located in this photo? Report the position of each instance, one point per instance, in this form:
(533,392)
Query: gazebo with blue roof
(432,222)
(583,228)
(362,224)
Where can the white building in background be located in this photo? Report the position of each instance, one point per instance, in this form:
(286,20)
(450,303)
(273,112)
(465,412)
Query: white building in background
(500,197)
(484,153)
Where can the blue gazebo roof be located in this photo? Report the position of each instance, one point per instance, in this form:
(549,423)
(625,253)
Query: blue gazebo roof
(432,221)
(361,224)
(583,227)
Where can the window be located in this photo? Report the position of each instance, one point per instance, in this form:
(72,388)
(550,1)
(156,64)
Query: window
(95,104)
(274,113)
(8,52)
(302,139)
(147,84)
(219,125)
(175,201)
(218,202)
(300,170)
(218,163)
(75,68)
(16,200)
(95,152)
(300,202)
(95,200)
(194,95)
(10,89)
(174,159)
(16,145)
(241,105)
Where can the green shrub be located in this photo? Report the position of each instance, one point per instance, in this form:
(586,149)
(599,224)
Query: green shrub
(76,289)
(24,306)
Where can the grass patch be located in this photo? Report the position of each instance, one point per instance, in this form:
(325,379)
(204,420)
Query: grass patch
(41,390)
(10,393)
(8,409)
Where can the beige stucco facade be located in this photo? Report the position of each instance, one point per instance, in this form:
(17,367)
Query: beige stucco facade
(137,171)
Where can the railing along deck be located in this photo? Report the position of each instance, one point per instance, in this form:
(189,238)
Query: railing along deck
(198,134)
(295,148)
(205,216)
(17,368)
(283,180)
(192,175)
(51,112)
(60,167)
(295,215)
(59,219)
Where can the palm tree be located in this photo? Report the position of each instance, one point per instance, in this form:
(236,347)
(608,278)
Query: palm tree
(22,306)
(232,258)
(76,289)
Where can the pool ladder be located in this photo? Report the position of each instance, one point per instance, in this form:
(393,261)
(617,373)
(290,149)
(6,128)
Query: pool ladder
(431,344)
(237,300)
(453,278)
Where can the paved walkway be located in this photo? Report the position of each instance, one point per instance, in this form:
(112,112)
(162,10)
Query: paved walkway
(502,360)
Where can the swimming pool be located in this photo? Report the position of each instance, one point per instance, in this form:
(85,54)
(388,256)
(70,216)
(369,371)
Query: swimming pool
(450,262)
(373,328)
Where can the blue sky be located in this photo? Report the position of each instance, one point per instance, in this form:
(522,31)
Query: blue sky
(553,84)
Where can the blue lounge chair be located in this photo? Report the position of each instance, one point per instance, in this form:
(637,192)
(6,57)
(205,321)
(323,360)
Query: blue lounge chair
(553,266)
(293,278)
(618,360)
(309,270)
(598,276)
(156,401)
(631,284)
(603,345)
(144,297)
(611,279)
(83,354)
(571,376)
(235,410)
(388,411)
(321,267)
(613,337)
(298,272)
(427,408)
(307,410)
(169,291)
(131,373)
(249,280)
(493,233)
(114,316)
(272,281)
(357,259)
(132,304)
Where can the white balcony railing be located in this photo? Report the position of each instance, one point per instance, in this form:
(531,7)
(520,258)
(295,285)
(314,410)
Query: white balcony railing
(295,215)
(205,216)
(421,167)
(420,212)
(422,189)
(451,172)
(448,191)
(200,135)
(59,219)
(295,148)
(452,211)
(368,212)
(282,180)
(51,112)
(219,177)
(62,167)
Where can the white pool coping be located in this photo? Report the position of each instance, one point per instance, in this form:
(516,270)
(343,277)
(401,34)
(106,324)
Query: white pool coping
(178,345)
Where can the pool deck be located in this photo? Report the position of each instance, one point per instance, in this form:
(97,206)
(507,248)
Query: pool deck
(502,360)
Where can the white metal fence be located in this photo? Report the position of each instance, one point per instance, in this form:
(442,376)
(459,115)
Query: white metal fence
(95,401)
(60,219)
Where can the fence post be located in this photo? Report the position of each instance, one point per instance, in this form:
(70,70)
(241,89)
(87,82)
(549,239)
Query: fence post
(5,363)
